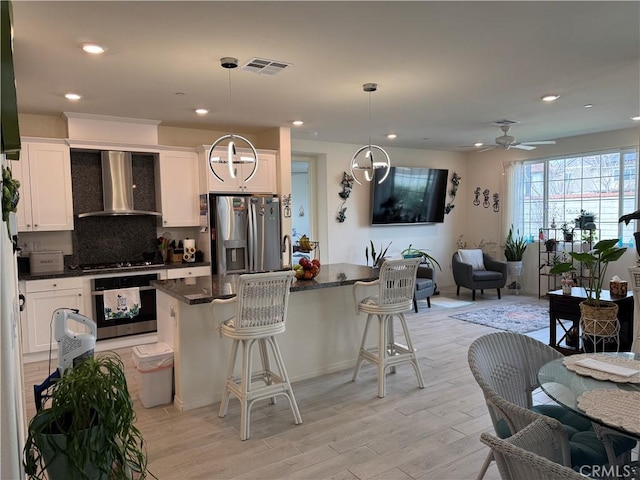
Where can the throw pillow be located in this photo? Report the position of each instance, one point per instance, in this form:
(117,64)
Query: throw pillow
(473,257)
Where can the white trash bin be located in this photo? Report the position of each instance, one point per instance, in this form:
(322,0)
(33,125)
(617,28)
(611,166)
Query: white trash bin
(154,363)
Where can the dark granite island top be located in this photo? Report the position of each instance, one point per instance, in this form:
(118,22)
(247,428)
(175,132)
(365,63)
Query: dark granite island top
(193,291)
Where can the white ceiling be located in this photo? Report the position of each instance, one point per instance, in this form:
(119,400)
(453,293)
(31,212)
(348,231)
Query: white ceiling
(445,70)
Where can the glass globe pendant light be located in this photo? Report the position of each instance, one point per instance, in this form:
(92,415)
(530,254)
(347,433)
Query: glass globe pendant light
(232,158)
(364,159)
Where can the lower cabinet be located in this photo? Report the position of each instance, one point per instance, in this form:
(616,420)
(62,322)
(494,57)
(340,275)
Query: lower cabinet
(42,298)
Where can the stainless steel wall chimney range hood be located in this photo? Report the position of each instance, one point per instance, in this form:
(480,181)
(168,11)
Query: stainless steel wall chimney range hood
(117,187)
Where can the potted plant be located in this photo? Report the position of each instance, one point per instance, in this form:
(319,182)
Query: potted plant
(585,220)
(514,248)
(376,258)
(415,253)
(551,244)
(87,429)
(567,232)
(598,317)
(626,219)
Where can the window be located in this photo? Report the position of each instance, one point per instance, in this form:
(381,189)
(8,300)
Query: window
(557,189)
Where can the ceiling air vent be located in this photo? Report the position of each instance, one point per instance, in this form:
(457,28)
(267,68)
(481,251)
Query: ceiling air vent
(264,66)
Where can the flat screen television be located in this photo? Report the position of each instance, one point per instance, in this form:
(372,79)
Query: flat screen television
(409,195)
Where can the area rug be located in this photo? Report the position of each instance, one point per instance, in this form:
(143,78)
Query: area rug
(519,318)
(440,301)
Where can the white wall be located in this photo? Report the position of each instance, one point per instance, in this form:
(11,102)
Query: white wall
(346,242)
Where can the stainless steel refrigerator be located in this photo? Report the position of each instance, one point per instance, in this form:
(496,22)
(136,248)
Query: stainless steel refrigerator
(245,233)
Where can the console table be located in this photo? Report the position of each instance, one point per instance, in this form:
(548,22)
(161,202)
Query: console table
(567,307)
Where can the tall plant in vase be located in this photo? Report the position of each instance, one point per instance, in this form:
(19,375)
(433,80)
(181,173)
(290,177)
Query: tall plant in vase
(598,318)
(514,248)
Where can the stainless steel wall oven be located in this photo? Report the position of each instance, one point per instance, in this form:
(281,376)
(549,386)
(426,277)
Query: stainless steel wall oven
(144,322)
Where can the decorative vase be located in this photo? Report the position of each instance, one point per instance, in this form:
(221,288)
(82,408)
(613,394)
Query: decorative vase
(566,289)
(514,268)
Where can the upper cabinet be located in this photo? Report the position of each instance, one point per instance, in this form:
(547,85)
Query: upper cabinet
(264,180)
(178,189)
(44,172)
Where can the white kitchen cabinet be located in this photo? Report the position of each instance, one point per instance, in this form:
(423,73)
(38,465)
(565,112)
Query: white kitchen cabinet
(264,180)
(42,298)
(177,192)
(44,172)
(188,272)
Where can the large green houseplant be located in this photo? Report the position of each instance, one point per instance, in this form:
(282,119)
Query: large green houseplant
(598,318)
(514,246)
(597,261)
(87,430)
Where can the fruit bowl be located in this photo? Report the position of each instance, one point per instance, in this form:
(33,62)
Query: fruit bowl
(307,269)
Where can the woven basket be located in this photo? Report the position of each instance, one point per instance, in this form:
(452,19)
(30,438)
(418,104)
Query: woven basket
(599,321)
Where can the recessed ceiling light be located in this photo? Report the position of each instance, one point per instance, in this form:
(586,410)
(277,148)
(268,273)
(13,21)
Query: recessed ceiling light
(92,48)
(391,136)
(589,105)
(297,123)
(550,98)
(478,144)
(636,119)
(202,111)
(72,96)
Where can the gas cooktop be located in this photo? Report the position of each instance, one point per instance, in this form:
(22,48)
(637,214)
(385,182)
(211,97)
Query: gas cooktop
(96,267)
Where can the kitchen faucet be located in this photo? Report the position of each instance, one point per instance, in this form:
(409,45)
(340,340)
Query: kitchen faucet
(286,247)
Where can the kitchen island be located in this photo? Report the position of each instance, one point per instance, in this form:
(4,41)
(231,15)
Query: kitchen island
(322,336)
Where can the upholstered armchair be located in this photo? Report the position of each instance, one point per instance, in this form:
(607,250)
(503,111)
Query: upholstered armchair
(476,270)
(425,286)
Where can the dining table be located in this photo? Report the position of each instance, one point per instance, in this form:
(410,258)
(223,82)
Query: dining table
(602,387)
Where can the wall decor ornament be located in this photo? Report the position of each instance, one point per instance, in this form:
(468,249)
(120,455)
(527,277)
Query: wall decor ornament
(455,183)
(486,194)
(476,200)
(347,186)
(286,204)
(496,202)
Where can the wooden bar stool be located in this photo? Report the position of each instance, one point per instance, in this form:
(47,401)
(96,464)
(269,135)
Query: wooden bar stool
(261,312)
(396,285)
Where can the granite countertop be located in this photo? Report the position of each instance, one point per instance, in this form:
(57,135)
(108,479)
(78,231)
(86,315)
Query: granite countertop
(70,272)
(205,289)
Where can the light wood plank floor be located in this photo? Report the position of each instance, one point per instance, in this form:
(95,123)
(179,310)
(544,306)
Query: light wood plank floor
(348,432)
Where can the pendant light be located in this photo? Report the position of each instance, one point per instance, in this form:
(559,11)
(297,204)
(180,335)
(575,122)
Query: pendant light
(366,162)
(232,158)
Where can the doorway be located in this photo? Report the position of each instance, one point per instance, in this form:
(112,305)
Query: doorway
(302,198)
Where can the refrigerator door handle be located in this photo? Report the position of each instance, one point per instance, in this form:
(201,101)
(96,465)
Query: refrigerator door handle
(252,236)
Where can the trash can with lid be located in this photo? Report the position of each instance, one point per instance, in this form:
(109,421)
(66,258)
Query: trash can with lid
(154,363)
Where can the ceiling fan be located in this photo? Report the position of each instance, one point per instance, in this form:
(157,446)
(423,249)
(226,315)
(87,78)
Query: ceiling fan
(506,141)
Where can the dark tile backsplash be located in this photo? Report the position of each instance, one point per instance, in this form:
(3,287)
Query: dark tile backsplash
(112,238)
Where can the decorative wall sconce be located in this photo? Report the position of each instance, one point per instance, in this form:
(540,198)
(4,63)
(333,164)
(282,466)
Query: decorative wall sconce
(496,202)
(476,200)
(455,183)
(286,205)
(347,185)
(486,194)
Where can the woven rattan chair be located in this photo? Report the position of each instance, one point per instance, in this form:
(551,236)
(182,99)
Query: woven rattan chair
(396,285)
(634,273)
(506,365)
(529,455)
(261,311)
